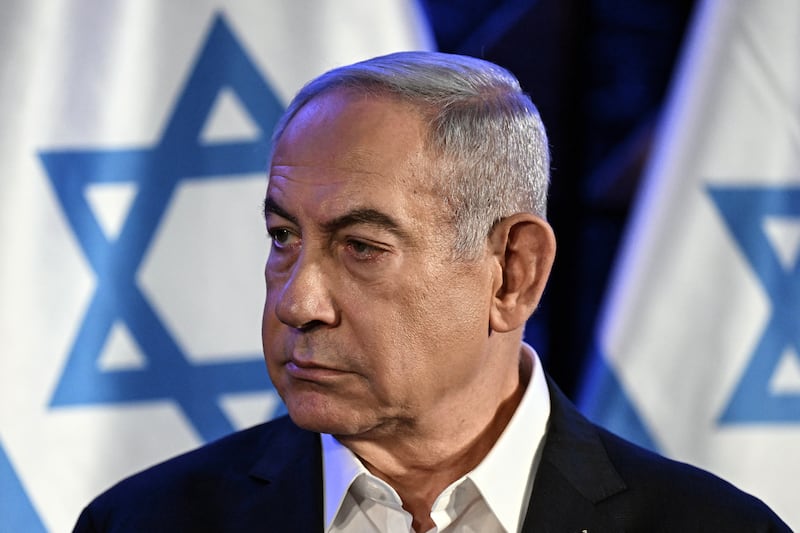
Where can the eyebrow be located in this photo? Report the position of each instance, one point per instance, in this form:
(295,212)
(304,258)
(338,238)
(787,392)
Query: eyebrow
(272,207)
(366,216)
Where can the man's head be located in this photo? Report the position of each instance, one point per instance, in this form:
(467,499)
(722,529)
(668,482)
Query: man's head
(485,134)
(405,206)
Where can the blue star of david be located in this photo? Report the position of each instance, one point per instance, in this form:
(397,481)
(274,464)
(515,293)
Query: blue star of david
(16,510)
(744,210)
(157,171)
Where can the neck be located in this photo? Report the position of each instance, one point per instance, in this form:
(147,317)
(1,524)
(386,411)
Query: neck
(419,460)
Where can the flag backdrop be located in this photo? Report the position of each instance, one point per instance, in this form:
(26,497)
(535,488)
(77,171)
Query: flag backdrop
(698,347)
(132,167)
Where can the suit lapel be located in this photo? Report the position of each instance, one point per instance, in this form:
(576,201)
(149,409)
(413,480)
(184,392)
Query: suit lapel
(575,474)
(290,472)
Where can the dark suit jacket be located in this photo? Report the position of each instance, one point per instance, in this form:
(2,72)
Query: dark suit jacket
(268,478)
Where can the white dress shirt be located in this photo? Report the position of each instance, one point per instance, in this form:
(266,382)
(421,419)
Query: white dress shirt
(493,497)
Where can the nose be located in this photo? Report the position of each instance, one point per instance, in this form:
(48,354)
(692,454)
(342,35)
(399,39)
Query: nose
(304,299)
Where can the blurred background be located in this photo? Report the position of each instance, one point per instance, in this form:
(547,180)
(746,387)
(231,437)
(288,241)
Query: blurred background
(132,155)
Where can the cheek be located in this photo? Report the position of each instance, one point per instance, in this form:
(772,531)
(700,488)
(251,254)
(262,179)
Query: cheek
(270,325)
(266,316)
(269,293)
(447,304)
(425,321)
(441,322)
(272,276)
(275,281)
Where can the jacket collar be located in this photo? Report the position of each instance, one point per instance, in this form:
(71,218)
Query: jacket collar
(574,476)
(289,473)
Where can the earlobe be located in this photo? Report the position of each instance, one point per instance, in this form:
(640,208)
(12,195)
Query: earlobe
(524,247)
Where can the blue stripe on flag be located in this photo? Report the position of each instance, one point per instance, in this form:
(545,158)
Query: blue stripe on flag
(16,511)
(603,400)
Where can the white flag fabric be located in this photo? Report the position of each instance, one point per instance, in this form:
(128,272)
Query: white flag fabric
(698,349)
(132,168)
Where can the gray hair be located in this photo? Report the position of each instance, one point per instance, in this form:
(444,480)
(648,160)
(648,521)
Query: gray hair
(486,133)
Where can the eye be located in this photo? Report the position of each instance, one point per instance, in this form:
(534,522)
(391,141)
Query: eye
(281,237)
(363,251)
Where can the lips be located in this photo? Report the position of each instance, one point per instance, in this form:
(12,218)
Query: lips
(309,371)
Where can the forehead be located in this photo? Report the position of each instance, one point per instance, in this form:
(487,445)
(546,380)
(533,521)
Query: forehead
(349,147)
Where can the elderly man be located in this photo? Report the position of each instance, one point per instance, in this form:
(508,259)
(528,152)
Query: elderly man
(406,209)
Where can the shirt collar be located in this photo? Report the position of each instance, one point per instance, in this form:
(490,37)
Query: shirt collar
(505,476)
(340,467)
(513,459)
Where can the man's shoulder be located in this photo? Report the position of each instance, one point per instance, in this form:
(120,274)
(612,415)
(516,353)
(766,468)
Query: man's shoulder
(689,495)
(237,451)
(636,488)
(207,485)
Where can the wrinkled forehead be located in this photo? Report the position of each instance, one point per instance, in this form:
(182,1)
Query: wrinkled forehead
(425,110)
(362,133)
(367,140)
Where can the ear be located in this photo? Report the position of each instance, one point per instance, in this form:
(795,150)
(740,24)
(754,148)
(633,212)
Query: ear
(524,247)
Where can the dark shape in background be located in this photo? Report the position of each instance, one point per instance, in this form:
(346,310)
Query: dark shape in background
(598,70)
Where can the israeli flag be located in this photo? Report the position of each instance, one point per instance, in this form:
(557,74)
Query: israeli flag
(133,155)
(698,350)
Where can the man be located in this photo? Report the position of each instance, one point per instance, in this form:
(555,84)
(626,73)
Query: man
(406,208)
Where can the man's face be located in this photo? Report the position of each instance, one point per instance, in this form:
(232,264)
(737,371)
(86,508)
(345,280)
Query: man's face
(369,324)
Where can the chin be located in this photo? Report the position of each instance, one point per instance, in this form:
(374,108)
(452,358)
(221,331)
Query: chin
(322,416)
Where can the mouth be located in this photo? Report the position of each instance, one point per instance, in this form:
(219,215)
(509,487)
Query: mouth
(309,371)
